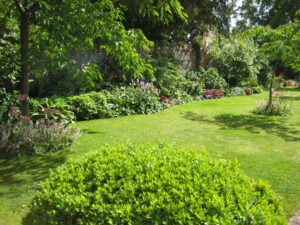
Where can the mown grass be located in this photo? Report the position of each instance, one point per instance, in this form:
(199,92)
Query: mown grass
(266,147)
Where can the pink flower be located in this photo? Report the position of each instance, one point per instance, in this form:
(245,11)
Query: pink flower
(47,111)
(13,111)
(273,89)
(72,107)
(23,97)
(287,94)
(24,118)
(282,93)
(295,96)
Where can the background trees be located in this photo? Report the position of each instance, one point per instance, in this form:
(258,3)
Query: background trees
(50,29)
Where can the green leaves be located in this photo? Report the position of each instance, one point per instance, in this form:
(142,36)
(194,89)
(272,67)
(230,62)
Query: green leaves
(153,184)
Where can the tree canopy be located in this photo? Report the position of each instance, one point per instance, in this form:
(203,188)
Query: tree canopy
(49,29)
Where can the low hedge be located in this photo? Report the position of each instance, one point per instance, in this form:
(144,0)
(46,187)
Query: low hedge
(160,184)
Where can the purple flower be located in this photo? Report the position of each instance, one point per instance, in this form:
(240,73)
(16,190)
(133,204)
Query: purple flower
(47,111)
(24,118)
(13,111)
(23,97)
(57,112)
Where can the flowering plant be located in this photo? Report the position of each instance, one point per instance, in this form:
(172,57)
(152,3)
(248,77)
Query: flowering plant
(213,94)
(248,91)
(166,102)
(287,84)
(28,138)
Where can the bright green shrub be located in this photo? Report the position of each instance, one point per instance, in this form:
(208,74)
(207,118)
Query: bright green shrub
(50,108)
(89,106)
(168,78)
(257,90)
(235,60)
(161,184)
(140,98)
(236,91)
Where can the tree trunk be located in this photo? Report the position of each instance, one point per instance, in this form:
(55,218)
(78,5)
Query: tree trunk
(204,55)
(271,84)
(24,32)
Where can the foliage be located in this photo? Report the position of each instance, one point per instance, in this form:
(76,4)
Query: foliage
(257,90)
(212,79)
(268,12)
(166,184)
(51,109)
(213,94)
(89,106)
(236,61)
(140,98)
(49,30)
(280,106)
(10,100)
(167,77)
(202,15)
(236,91)
(28,138)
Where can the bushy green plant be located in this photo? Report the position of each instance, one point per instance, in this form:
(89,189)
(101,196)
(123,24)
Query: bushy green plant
(89,106)
(139,98)
(28,138)
(51,108)
(236,61)
(236,91)
(257,90)
(160,184)
(212,79)
(280,106)
(167,76)
(209,78)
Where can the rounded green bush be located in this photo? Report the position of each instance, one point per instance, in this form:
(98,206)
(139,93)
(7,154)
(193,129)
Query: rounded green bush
(161,184)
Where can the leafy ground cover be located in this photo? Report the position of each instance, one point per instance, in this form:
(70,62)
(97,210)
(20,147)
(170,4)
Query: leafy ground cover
(266,147)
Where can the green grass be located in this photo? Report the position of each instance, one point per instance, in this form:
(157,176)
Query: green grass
(267,148)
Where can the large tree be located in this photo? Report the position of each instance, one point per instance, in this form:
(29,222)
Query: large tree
(280,45)
(268,12)
(50,28)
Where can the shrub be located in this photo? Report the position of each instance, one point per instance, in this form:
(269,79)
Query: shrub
(257,90)
(235,60)
(139,98)
(236,91)
(280,106)
(161,184)
(89,106)
(212,79)
(24,137)
(168,78)
(51,109)
(213,94)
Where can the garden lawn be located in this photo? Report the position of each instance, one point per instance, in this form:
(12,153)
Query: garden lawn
(267,148)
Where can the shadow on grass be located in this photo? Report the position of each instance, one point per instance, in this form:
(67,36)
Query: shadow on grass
(26,171)
(252,123)
(89,131)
